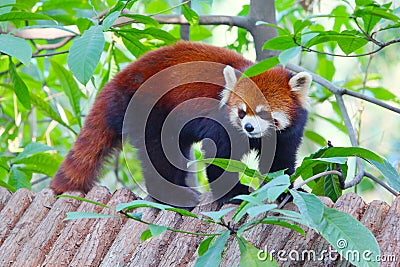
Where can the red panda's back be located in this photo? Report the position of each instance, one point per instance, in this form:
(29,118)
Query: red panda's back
(181,52)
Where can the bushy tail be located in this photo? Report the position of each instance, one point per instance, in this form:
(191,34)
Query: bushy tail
(83,163)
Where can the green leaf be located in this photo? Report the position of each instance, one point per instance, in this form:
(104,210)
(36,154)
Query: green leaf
(280,43)
(70,87)
(87,215)
(351,152)
(204,245)
(16,47)
(7,186)
(254,211)
(249,255)
(274,188)
(299,25)
(191,16)
(19,179)
(148,204)
(310,207)
(349,41)
(230,165)
(217,215)
(47,110)
(40,163)
(84,200)
(19,87)
(156,229)
(286,55)
(213,256)
(160,35)
(145,235)
(85,53)
(315,137)
(142,19)
(389,172)
(20,15)
(30,149)
(133,44)
(346,240)
(261,67)
(110,19)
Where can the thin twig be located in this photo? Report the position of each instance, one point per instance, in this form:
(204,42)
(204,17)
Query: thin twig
(375,179)
(312,178)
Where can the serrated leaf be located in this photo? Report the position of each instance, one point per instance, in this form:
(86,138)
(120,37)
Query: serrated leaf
(249,255)
(87,215)
(47,110)
(20,89)
(204,245)
(261,67)
(110,19)
(70,88)
(213,256)
(16,47)
(85,52)
(217,215)
(286,55)
(156,230)
(191,16)
(21,15)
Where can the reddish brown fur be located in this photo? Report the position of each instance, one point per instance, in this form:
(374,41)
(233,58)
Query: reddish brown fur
(102,129)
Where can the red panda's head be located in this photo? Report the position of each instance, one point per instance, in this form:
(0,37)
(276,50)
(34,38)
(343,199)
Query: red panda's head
(270,99)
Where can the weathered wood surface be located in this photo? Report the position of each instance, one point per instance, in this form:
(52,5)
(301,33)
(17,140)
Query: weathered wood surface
(33,233)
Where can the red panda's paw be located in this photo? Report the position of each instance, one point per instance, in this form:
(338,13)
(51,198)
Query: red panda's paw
(60,184)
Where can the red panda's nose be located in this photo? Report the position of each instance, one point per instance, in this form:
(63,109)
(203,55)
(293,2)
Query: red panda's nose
(249,127)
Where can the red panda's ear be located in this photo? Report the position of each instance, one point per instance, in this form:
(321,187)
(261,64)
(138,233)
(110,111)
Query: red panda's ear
(230,81)
(300,83)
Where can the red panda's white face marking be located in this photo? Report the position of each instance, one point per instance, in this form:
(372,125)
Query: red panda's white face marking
(266,101)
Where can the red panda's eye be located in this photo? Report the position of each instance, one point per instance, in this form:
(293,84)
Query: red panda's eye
(241,113)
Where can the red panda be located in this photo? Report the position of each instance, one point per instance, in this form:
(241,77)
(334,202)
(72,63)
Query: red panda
(239,108)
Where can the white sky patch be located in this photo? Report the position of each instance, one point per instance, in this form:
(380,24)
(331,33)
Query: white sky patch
(282,119)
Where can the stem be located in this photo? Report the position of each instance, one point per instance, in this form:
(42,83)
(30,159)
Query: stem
(375,179)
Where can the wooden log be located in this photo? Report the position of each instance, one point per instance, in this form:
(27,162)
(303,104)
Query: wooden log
(4,197)
(26,226)
(128,239)
(102,233)
(35,249)
(13,210)
(75,231)
(389,236)
(183,246)
(149,252)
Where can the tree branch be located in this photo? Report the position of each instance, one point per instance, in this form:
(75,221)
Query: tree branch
(375,179)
